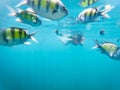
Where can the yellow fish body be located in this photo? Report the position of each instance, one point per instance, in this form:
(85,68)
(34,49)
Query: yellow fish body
(14,36)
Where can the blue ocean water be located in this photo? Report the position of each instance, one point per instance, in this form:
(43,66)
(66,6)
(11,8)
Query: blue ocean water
(50,65)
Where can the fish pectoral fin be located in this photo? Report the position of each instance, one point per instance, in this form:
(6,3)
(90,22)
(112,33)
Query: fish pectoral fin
(30,10)
(34,21)
(27,43)
(111,54)
(18,20)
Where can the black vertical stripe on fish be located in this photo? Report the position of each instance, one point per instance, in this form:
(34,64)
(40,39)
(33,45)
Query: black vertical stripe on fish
(12,33)
(47,6)
(25,13)
(90,16)
(96,13)
(84,0)
(39,4)
(85,16)
(32,3)
(94,1)
(20,33)
(4,36)
(88,2)
(56,9)
(28,1)
(25,34)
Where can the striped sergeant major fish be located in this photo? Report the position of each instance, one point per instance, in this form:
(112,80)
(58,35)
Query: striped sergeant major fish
(14,36)
(108,48)
(92,14)
(25,16)
(86,3)
(49,9)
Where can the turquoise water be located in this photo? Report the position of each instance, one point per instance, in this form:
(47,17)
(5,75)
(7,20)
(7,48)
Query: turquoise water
(50,65)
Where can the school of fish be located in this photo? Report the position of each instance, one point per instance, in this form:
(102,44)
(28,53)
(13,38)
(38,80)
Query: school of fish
(54,10)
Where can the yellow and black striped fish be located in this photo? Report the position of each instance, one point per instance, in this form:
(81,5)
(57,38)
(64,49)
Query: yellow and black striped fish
(50,9)
(86,3)
(14,36)
(92,14)
(88,15)
(25,16)
(107,48)
(29,18)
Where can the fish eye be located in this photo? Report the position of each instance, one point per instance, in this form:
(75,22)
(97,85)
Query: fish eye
(64,8)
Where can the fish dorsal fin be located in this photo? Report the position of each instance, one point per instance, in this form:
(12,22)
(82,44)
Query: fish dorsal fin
(31,34)
(23,2)
(30,10)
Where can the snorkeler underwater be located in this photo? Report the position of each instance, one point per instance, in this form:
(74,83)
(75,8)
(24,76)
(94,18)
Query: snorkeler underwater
(60,44)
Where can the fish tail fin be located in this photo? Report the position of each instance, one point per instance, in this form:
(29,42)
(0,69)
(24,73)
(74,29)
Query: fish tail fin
(31,36)
(13,12)
(106,10)
(23,2)
(97,44)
